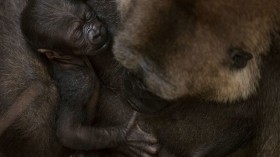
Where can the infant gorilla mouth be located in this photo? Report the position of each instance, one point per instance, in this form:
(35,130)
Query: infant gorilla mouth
(139,98)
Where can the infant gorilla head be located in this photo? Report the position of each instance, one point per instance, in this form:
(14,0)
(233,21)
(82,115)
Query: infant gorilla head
(67,27)
(205,49)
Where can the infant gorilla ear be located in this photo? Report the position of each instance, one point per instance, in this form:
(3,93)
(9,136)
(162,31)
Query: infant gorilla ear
(67,27)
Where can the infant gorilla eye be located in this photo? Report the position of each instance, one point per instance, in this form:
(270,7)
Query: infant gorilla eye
(90,16)
(239,58)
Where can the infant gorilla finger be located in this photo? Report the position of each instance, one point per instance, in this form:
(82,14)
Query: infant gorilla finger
(138,135)
(151,149)
(135,152)
(138,142)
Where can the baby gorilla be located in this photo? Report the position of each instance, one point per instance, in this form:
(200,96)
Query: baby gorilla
(66,31)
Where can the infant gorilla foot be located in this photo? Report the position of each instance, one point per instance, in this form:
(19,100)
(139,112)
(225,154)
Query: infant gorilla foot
(139,143)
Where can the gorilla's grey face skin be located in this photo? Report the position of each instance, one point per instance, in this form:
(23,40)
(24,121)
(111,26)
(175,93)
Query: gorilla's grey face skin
(194,47)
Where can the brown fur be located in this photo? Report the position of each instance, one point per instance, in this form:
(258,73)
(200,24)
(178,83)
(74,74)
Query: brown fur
(20,105)
(194,38)
(180,51)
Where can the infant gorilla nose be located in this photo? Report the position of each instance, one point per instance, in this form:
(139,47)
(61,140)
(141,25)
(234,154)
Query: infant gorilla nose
(139,98)
(98,35)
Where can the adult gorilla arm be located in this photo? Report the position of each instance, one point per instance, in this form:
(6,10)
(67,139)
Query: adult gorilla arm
(23,101)
(31,131)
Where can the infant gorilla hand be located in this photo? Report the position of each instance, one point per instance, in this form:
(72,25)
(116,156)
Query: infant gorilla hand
(139,143)
(133,142)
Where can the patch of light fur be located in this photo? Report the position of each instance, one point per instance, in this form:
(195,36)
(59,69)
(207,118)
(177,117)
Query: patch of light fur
(241,85)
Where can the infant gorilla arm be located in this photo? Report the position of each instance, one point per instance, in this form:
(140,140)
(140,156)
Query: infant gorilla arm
(75,82)
(64,31)
(77,87)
